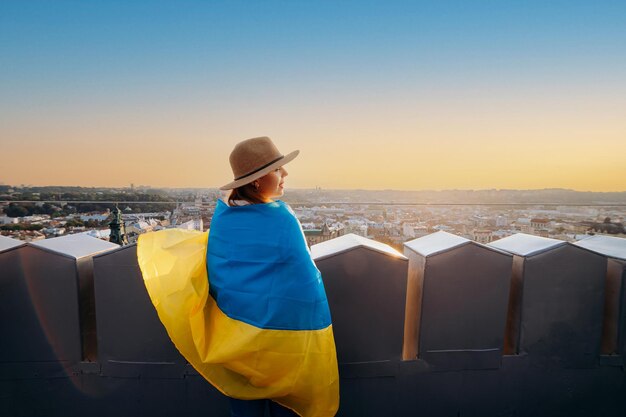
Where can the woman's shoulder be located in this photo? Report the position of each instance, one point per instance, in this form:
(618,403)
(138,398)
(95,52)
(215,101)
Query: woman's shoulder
(241,209)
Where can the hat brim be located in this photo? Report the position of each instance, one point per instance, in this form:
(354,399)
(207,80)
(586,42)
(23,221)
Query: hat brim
(249,178)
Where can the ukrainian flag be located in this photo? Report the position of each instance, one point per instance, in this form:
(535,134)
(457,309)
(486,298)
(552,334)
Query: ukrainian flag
(262,329)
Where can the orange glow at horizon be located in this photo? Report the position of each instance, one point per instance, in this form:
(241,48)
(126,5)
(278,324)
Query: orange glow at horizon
(339,163)
(467,143)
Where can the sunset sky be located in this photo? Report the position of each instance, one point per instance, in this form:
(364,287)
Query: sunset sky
(376,95)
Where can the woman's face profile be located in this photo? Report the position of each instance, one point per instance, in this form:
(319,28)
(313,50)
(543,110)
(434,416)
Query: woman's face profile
(271,185)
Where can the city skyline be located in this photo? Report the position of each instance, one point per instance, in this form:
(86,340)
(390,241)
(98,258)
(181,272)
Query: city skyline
(395,95)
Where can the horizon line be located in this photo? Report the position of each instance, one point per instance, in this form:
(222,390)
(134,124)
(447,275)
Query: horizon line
(320,188)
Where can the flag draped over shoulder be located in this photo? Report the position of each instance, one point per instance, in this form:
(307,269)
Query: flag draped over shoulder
(262,328)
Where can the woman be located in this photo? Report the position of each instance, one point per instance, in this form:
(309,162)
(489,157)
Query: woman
(249,311)
(261,273)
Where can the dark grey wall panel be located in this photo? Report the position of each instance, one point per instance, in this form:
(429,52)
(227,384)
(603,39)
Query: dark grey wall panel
(23,338)
(100,396)
(367,293)
(432,394)
(367,397)
(131,338)
(464,307)
(47,295)
(562,306)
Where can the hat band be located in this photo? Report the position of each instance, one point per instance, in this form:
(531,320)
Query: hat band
(258,169)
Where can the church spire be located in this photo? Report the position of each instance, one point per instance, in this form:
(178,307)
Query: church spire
(118,229)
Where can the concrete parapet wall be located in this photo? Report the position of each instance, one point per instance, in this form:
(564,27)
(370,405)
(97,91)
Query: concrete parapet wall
(614,330)
(561,307)
(467,303)
(366,292)
(458,298)
(131,339)
(43,322)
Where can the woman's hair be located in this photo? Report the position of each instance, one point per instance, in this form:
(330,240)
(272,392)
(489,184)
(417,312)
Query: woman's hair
(247,193)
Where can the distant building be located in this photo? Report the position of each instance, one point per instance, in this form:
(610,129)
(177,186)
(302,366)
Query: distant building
(28,235)
(413,230)
(483,236)
(191,210)
(608,227)
(526,228)
(326,232)
(542,232)
(480,221)
(53,231)
(357,227)
(117,228)
(99,233)
(442,227)
(538,224)
(499,234)
(35,219)
(502,221)
(96,217)
(142,226)
(194,224)
(8,220)
(421,231)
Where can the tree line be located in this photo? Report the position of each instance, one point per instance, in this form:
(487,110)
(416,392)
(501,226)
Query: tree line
(53,210)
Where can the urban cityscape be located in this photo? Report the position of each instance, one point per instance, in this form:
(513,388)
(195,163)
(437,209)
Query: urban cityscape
(460,190)
(388,216)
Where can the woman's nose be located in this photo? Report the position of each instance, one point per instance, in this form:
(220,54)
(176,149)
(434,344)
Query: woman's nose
(285,173)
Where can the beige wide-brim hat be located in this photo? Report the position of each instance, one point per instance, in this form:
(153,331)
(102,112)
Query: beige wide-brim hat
(253,158)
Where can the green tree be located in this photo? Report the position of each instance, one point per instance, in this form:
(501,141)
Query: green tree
(16,210)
